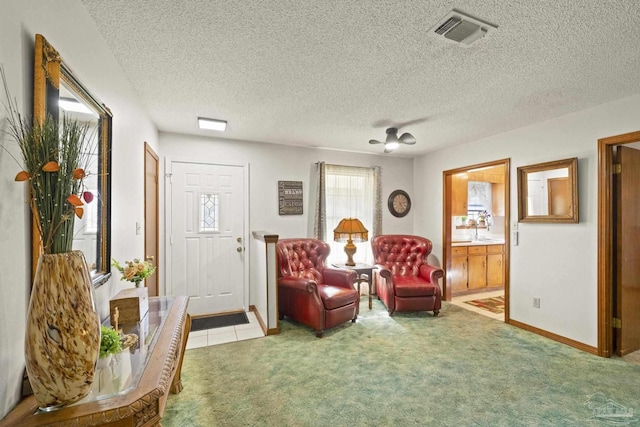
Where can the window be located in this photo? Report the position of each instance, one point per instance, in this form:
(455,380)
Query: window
(209,213)
(350,193)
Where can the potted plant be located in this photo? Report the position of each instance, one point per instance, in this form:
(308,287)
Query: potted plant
(54,159)
(110,344)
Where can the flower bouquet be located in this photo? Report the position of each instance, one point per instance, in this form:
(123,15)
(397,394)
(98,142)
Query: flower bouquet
(134,271)
(55,157)
(483,217)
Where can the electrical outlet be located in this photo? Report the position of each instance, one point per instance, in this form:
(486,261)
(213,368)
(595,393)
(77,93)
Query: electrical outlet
(536,302)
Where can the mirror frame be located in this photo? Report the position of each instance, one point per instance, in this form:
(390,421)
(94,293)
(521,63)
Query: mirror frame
(49,71)
(523,173)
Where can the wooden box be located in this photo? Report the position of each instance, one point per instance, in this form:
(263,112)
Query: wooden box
(132,304)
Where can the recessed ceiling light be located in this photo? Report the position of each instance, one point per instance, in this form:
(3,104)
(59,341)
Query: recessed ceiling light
(212,124)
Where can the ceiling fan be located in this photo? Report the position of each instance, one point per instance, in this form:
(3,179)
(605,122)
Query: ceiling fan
(393,142)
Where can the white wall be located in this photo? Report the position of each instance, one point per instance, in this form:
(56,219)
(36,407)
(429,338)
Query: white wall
(554,262)
(270,163)
(69,28)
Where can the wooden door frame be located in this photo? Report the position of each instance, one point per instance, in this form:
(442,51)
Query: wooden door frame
(605,238)
(446,221)
(148,149)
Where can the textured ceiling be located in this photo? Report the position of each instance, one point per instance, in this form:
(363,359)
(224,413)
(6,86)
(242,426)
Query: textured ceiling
(335,74)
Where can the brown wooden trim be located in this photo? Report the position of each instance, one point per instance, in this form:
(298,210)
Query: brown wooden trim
(446,221)
(605,238)
(156,249)
(446,233)
(221,313)
(263,325)
(555,337)
(264,237)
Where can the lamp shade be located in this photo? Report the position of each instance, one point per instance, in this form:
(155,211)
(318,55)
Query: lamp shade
(350,229)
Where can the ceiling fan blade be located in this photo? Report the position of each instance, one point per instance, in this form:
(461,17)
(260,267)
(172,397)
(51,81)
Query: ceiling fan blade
(407,138)
(373,141)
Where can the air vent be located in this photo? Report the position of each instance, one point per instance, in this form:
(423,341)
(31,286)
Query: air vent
(460,28)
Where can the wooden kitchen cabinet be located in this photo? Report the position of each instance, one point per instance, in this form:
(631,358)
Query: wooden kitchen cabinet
(459,194)
(458,273)
(476,267)
(497,205)
(495,265)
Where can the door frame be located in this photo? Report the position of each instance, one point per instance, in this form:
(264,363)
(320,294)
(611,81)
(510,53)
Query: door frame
(605,238)
(168,161)
(446,221)
(156,250)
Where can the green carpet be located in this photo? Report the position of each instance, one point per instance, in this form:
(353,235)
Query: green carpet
(458,369)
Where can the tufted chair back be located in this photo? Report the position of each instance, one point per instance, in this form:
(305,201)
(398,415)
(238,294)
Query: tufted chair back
(302,258)
(401,254)
(404,280)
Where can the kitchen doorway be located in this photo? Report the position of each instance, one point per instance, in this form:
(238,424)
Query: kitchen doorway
(476,218)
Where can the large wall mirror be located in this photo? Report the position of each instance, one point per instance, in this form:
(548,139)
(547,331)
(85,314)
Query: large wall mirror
(58,91)
(548,192)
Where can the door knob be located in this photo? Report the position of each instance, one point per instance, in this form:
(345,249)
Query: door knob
(150,258)
(239,240)
(239,249)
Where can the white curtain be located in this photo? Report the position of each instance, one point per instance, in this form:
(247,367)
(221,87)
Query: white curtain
(347,192)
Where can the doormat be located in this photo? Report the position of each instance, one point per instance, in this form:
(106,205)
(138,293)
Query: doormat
(494,305)
(219,321)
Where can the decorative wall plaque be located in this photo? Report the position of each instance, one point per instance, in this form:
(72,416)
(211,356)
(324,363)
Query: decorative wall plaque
(290,197)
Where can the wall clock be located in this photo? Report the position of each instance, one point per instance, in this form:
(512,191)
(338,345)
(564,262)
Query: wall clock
(399,203)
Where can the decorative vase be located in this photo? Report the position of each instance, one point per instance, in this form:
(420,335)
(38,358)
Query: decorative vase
(63,331)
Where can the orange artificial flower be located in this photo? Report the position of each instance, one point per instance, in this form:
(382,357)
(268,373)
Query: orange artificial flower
(79,212)
(51,167)
(22,176)
(74,200)
(78,173)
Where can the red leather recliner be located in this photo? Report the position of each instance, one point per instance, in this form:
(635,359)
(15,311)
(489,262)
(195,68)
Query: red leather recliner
(404,280)
(309,292)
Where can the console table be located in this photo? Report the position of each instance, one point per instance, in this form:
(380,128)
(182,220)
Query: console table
(134,390)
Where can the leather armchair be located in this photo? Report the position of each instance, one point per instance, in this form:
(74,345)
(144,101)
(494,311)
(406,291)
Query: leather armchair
(309,292)
(404,280)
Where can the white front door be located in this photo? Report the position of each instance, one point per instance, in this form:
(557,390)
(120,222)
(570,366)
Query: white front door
(206,236)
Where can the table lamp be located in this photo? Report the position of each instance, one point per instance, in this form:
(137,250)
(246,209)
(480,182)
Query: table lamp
(350,230)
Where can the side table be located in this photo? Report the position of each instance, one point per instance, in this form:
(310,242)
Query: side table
(365,274)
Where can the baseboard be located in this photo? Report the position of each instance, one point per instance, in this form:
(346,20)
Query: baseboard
(555,337)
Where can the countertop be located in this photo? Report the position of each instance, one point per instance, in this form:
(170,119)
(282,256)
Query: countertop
(477,242)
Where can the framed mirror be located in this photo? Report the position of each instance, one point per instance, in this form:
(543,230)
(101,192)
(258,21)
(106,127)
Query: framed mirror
(548,192)
(58,91)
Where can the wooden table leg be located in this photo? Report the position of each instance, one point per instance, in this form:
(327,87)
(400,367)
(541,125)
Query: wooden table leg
(370,288)
(176,384)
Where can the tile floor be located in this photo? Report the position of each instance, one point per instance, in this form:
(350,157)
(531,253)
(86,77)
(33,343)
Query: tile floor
(226,334)
(460,302)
